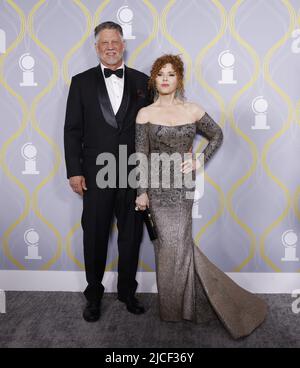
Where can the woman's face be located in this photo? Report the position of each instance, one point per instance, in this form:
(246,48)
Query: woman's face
(166,80)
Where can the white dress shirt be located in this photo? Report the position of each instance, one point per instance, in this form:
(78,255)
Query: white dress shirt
(115,87)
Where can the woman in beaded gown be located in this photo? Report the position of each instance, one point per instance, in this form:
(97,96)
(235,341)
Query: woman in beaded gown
(190,287)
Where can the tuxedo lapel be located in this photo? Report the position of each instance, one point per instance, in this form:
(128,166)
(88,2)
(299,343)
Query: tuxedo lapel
(104,101)
(129,96)
(126,99)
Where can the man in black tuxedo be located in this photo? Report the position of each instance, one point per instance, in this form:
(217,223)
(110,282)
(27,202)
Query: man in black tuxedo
(100,116)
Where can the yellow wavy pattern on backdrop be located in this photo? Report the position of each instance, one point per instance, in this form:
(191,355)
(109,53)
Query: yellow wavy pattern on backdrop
(202,82)
(158,21)
(252,147)
(285,97)
(54,146)
(10,140)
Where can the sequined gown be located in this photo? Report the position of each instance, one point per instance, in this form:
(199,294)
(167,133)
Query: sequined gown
(190,287)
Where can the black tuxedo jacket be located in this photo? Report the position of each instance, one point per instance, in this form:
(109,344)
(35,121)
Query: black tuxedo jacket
(91,127)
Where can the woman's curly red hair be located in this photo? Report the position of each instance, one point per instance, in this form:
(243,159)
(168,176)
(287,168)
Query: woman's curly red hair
(178,66)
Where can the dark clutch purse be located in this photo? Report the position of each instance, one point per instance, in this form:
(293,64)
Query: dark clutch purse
(149,224)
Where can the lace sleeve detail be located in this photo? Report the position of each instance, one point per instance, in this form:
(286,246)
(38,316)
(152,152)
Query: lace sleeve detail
(142,151)
(207,127)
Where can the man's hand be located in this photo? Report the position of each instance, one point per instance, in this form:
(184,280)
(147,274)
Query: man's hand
(77,183)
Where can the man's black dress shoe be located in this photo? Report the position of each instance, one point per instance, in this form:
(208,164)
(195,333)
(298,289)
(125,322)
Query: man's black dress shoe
(91,312)
(132,305)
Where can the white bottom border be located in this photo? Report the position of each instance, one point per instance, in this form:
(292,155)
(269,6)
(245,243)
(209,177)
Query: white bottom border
(74,281)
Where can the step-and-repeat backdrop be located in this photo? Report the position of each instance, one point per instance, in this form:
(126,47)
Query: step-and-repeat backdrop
(242,62)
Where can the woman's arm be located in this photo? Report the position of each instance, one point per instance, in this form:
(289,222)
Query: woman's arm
(207,127)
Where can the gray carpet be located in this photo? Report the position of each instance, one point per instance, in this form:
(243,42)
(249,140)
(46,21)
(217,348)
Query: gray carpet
(54,319)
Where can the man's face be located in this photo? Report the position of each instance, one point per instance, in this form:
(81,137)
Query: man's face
(110,48)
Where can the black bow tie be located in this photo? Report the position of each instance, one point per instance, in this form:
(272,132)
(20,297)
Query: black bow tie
(109,72)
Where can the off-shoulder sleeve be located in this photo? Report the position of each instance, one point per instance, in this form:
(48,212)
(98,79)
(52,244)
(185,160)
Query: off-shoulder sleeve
(207,127)
(142,150)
